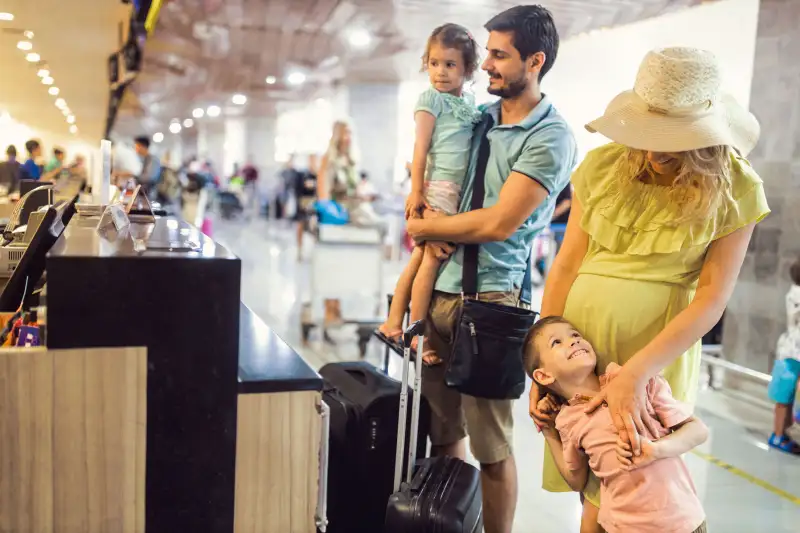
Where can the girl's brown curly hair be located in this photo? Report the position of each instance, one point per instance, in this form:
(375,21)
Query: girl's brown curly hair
(458,38)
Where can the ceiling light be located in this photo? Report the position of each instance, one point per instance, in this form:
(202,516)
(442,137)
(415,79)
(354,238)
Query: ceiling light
(71,119)
(61,103)
(73,129)
(28,34)
(198,113)
(271,80)
(6,16)
(33,57)
(188,123)
(213,111)
(47,80)
(239,99)
(158,137)
(175,127)
(43,73)
(359,38)
(65,111)
(53,90)
(25,45)
(296,78)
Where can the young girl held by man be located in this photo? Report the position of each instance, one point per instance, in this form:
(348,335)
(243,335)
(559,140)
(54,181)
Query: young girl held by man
(445,116)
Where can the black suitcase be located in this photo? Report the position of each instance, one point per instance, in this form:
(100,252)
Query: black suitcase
(364,405)
(444,494)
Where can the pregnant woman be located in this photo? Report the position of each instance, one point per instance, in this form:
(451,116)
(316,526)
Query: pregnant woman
(660,223)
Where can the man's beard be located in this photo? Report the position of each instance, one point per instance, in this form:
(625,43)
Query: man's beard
(512,88)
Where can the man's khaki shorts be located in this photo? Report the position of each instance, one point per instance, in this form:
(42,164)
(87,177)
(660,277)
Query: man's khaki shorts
(489,423)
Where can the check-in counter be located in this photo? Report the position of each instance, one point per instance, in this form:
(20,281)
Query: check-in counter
(190,413)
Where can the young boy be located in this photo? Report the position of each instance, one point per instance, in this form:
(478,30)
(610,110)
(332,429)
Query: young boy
(650,493)
(786,372)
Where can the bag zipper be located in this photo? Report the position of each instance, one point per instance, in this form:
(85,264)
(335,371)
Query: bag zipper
(474,336)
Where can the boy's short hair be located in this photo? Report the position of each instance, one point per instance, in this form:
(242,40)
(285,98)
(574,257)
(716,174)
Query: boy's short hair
(531,354)
(794,272)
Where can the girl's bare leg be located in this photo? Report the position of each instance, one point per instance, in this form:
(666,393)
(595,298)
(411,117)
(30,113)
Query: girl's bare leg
(421,295)
(393,327)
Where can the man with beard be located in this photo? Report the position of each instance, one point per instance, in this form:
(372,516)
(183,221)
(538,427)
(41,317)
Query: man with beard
(532,155)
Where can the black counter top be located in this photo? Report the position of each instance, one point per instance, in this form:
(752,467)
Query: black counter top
(81,240)
(267,363)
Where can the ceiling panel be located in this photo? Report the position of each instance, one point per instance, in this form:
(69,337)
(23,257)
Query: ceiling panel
(74,39)
(203,51)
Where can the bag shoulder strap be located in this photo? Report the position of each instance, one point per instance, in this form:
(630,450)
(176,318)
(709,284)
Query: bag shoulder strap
(469,279)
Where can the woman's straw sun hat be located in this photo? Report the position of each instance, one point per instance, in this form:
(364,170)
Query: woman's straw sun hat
(676,105)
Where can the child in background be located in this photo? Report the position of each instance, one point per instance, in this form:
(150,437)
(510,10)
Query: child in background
(445,116)
(649,493)
(786,371)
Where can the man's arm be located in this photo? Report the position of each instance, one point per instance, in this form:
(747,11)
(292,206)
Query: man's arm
(519,197)
(540,169)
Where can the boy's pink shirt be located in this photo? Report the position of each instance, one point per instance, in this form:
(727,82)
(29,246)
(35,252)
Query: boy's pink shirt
(658,498)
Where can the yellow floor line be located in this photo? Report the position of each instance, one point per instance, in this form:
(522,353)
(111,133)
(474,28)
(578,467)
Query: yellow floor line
(748,477)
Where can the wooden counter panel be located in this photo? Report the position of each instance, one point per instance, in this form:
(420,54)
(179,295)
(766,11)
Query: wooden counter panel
(72,440)
(277,458)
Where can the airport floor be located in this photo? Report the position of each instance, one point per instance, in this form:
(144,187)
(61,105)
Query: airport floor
(745,486)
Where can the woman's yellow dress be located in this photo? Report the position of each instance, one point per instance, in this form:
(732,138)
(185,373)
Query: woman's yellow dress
(640,270)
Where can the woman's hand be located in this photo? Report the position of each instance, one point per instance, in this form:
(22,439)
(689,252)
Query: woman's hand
(626,398)
(541,419)
(629,462)
(415,204)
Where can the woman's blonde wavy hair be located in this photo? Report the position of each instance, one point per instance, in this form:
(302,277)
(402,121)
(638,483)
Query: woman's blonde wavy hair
(702,186)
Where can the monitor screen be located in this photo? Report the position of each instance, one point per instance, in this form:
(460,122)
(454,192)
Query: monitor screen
(31,267)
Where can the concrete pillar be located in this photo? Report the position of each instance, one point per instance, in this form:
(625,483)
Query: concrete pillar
(756,313)
(235,144)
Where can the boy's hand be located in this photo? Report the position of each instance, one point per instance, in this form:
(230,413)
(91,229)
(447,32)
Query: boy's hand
(415,204)
(629,462)
(431,213)
(549,406)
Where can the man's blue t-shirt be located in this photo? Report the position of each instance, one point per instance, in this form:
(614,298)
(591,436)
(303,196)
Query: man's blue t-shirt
(31,170)
(541,147)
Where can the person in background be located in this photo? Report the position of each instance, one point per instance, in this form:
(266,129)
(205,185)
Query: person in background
(287,178)
(10,170)
(786,371)
(305,192)
(250,175)
(78,167)
(365,190)
(57,162)
(151,166)
(31,169)
(336,179)
(560,216)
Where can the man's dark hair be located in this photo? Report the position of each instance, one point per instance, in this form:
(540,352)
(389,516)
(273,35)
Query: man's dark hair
(531,353)
(11,151)
(31,145)
(533,31)
(58,151)
(794,272)
(144,141)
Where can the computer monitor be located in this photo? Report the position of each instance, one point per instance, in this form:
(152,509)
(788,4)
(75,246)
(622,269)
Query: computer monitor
(31,267)
(38,199)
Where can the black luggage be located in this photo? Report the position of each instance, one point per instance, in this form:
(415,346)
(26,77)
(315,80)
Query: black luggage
(444,494)
(364,405)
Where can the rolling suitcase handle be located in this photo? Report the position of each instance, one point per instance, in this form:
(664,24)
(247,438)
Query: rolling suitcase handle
(415,329)
(321,515)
